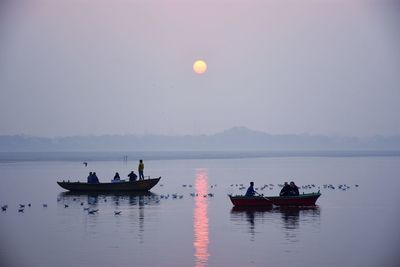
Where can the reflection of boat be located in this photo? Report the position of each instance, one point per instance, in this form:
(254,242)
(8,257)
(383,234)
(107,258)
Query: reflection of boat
(118,198)
(257,201)
(140,185)
(291,216)
(68,194)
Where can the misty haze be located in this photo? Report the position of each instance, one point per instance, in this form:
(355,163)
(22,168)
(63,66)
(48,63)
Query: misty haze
(199,133)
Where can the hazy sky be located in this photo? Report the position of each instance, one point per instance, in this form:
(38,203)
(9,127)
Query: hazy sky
(70,67)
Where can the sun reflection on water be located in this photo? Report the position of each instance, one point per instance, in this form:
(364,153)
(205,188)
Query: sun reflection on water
(200,224)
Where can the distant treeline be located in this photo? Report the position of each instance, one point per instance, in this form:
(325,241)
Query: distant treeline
(234,139)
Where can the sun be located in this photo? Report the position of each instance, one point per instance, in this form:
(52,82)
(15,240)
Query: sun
(199,66)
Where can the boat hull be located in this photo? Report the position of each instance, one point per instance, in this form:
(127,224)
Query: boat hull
(137,186)
(259,201)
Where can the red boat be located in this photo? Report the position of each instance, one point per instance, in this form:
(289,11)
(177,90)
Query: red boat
(261,201)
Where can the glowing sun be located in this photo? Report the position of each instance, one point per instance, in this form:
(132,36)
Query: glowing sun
(199,66)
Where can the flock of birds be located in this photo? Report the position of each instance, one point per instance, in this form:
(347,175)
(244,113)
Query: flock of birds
(342,187)
(157,198)
(21,207)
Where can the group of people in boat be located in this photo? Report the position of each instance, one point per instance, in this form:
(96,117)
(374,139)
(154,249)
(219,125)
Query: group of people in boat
(287,190)
(92,178)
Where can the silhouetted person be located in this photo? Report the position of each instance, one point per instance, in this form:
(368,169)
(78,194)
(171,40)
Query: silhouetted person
(95,179)
(294,190)
(250,191)
(90,178)
(141,170)
(285,190)
(132,176)
(116,176)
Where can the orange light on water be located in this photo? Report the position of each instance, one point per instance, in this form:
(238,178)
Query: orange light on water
(200,224)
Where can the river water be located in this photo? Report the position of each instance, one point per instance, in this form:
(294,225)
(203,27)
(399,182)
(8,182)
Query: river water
(353,227)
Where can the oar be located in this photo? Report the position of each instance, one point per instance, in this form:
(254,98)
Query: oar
(262,196)
(273,206)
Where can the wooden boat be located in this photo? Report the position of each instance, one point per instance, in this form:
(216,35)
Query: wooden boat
(123,186)
(260,201)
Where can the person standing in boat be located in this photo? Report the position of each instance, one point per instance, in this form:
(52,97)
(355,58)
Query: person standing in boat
(250,191)
(132,176)
(141,170)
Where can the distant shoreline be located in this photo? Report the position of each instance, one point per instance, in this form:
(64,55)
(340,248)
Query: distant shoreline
(180,155)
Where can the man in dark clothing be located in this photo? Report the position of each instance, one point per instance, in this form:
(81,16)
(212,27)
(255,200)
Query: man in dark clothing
(285,190)
(90,178)
(95,179)
(294,190)
(116,177)
(132,176)
(250,191)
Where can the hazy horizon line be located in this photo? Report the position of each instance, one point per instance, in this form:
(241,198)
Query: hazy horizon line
(233,128)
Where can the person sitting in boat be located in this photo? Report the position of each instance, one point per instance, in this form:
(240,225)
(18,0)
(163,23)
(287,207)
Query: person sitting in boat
(132,176)
(294,190)
(286,190)
(95,180)
(90,178)
(250,191)
(116,177)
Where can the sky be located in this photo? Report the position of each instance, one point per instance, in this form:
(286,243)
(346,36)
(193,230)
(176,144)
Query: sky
(94,67)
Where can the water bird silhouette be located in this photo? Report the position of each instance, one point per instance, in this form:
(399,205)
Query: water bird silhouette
(44,205)
(66,206)
(117,212)
(21,210)
(21,205)
(93,211)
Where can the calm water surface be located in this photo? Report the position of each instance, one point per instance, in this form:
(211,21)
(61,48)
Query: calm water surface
(355,227)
